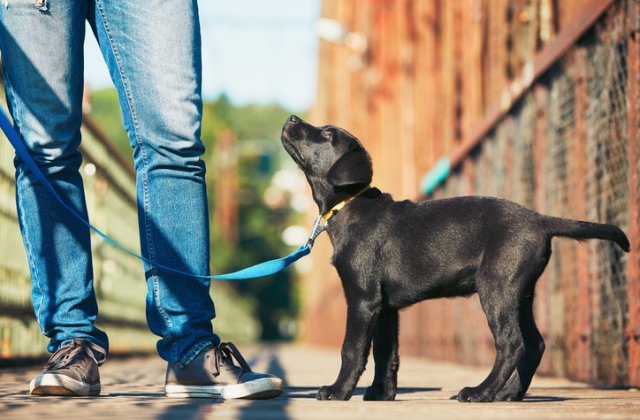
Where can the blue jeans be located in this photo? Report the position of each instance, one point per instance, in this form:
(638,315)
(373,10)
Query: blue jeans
(152,49)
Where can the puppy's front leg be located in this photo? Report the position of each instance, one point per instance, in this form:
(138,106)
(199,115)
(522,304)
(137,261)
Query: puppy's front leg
(385,355)
(361,321)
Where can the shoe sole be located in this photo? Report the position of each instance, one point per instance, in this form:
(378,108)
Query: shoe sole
(52,384)
(262,388)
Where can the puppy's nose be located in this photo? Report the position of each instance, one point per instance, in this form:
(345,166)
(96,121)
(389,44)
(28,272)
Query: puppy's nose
(293,119)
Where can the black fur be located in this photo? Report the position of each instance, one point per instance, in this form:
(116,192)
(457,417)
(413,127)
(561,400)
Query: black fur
(391,254)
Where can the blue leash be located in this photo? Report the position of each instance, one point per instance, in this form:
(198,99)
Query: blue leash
(258,270)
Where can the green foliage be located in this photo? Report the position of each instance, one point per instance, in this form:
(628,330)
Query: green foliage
(257,128)
(106,111)
(257,150)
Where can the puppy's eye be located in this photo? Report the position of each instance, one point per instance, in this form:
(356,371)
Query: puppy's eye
(327,135)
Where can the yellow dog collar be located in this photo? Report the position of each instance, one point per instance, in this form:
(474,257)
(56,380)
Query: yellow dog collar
(341,204)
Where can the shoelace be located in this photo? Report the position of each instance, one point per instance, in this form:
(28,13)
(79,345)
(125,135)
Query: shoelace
(229,352)
(66,354)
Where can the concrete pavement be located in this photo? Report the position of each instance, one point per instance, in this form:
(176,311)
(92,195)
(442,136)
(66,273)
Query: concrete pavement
(133,388)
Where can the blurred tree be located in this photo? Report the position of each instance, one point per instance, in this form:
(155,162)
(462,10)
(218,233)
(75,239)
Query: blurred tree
(257,150)
(106,111)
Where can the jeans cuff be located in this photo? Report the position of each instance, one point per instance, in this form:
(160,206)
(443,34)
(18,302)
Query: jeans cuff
(193,352)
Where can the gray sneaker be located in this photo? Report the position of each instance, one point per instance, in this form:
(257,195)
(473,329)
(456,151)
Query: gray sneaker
(213,374)
(71,371)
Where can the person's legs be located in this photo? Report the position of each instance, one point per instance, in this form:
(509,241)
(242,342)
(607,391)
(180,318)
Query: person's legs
(152,49)
(42,58)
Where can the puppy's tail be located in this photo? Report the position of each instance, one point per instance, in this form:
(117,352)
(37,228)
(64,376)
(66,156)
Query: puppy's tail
(575,229)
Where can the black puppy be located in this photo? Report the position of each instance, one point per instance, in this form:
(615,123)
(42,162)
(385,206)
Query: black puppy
(391,254)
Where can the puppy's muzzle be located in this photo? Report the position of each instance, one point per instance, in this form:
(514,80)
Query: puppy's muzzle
(291,133)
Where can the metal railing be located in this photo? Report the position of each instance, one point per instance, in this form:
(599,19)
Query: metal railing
(119,279)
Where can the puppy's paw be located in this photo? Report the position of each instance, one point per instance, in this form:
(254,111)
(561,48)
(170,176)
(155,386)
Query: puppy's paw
(512,390)
(378,392)
(331,393)
(477,394)
(508,394)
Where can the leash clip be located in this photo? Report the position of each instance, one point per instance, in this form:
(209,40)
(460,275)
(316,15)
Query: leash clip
(317,230)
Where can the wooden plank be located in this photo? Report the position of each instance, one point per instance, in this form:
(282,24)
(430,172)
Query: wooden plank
(446,89)
(472,40)
(408,177)
(541,304)
(427,92)
(582,328)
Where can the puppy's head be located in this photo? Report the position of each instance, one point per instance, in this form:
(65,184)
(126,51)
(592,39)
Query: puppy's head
(334,162)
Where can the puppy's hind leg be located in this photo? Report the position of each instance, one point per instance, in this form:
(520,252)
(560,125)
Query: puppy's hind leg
(501,308)
(519,382)
(385,355)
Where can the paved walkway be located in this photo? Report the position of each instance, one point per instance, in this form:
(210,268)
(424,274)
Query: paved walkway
(132,388)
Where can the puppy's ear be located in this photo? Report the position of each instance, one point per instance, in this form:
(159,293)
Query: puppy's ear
(354,167)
